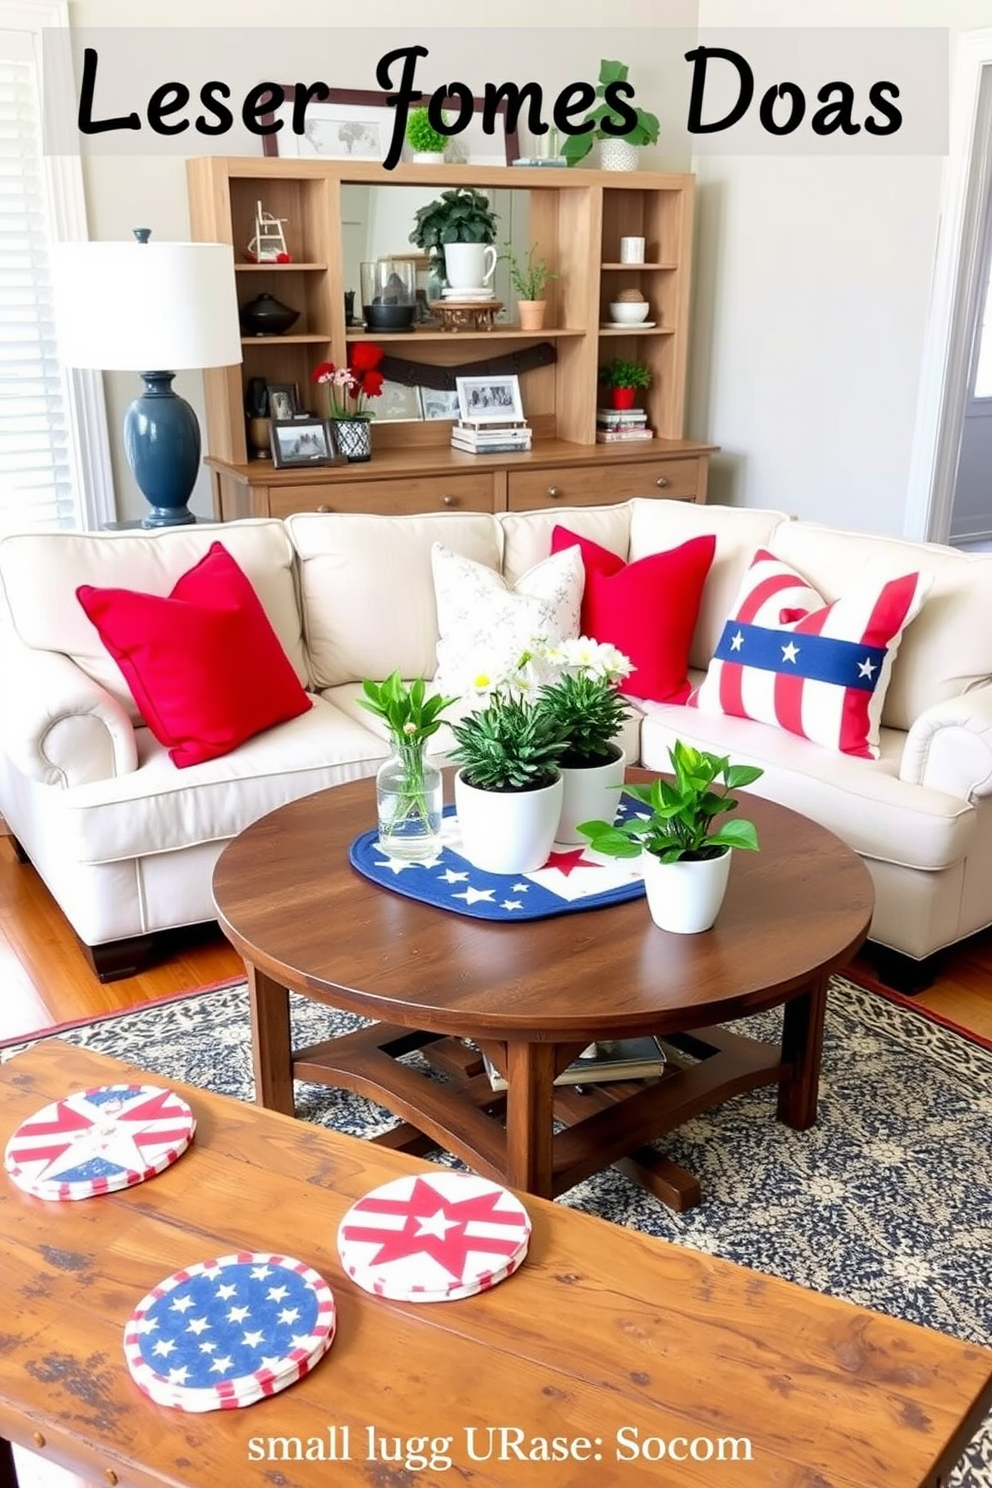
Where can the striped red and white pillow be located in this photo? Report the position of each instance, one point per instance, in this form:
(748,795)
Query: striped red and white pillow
(819,670)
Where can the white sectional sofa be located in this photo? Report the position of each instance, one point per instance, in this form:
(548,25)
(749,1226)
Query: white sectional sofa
(126,842)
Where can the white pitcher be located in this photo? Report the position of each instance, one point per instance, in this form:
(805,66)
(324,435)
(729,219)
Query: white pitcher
(469,265)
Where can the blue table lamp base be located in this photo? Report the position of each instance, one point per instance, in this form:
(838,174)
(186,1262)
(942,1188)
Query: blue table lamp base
(162,440)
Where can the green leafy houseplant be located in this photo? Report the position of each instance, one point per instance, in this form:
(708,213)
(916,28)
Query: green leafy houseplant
(459,216)
(512,744)
(411,717)
(584,699)
(530,277)
(686,817)
(422,136)
(644,132)
(622,373)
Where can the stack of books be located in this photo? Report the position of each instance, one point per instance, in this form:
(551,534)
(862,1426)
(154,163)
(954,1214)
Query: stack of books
(602,1063)
(614,425)
(490,439)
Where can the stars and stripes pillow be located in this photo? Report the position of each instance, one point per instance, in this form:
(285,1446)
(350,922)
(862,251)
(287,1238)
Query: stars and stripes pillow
(789,659)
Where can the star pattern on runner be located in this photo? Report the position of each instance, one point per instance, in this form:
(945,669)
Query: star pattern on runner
(567,862)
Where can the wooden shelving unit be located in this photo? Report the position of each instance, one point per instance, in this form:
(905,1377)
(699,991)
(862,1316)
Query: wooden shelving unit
(577,218)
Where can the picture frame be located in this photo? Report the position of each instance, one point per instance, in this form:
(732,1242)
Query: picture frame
(284,399)
(398,403)
(489,400)
(301,441)
(439,403)
(354,124)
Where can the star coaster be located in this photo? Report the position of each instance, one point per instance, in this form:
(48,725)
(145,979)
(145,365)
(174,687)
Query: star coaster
(99,1141)
(435,1237)
(225,1333)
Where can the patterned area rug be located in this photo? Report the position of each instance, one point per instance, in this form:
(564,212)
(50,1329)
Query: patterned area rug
(887,1201)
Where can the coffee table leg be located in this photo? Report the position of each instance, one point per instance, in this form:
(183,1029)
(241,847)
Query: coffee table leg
(271,1044)
(8,1472)
(530,1074)
(802,1047)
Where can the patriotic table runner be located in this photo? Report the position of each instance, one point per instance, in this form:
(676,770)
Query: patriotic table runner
(572,878)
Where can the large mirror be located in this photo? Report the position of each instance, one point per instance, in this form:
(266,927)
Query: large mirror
(377,222)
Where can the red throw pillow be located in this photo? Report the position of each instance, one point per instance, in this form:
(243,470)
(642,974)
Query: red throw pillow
(204,665)
(647,609)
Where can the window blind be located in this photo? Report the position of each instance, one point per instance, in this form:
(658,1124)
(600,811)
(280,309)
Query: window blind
(39,480)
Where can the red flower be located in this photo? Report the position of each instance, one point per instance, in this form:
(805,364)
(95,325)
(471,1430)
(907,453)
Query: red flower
(365,356)
(371,384)
(323,373)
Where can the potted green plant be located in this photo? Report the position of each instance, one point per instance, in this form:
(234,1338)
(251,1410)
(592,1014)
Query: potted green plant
(529,279)
(408,786)
(625,377)
(508,790)
(427,143)
(684,838)
(616,152)
(585,702)
(461,220)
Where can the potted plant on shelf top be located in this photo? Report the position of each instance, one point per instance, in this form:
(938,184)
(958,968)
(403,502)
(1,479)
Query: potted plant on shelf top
(427,143)
(408,786)
(529,279)
(624,377)
(684,839)
(461,219)
(616,151)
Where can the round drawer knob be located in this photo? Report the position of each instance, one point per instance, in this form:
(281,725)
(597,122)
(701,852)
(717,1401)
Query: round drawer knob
(662,481)
(449,500)
(111,1477)
(325,508)
(554,492)
(37,1438)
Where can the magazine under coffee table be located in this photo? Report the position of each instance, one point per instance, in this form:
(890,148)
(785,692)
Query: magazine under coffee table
(532,995)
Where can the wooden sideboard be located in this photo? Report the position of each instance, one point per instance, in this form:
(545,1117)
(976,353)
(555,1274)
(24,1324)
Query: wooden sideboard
(400,481)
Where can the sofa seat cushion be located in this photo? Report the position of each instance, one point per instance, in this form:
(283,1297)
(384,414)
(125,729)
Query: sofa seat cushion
(41,571)
(158,809)
(863,801)
(203,663)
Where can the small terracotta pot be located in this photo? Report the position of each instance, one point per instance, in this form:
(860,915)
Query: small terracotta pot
(532,313)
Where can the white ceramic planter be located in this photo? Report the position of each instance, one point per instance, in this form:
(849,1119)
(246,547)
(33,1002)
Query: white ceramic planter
(617,155)
(589,794)
(428,157)
(685,896)
(507,831)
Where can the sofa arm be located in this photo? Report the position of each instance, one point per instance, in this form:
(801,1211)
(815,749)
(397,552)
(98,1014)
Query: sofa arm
(57,725)
(949,747)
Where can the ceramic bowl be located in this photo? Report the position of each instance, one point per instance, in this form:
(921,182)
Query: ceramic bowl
(629,312)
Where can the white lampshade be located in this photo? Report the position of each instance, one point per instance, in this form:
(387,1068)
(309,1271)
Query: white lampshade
(141,306)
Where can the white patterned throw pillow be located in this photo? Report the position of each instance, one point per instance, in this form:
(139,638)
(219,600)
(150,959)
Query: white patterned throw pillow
(483,624)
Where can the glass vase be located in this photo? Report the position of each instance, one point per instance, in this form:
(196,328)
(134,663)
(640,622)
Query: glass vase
(409,798)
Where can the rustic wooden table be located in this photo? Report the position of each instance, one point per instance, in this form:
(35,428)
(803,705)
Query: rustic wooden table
(621,1347)
(532,994)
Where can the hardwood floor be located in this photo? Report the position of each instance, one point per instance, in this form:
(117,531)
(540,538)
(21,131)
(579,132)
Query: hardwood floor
(45,978)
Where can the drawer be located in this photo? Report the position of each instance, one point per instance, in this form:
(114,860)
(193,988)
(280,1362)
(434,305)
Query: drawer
(597,483)
(388,498)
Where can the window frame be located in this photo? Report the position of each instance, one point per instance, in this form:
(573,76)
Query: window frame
(86,408)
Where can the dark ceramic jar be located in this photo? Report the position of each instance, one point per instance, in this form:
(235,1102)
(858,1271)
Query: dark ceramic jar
(267,316)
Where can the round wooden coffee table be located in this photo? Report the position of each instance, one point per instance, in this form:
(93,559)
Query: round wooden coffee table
(532,994)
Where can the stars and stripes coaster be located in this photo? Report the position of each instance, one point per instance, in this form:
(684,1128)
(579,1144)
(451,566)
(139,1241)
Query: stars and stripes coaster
(99,1141)
(224,1333)
(434,1237)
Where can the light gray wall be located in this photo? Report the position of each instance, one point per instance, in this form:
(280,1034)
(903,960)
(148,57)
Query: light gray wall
(811,301)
